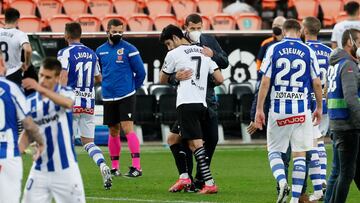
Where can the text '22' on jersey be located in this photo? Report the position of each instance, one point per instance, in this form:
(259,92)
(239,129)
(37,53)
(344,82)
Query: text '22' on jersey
(291,66)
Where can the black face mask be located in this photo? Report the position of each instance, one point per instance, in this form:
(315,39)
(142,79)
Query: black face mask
(115,38)
(277,31)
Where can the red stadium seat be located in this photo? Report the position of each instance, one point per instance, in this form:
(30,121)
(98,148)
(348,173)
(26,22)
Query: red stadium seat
(162,21)
(2,19)
(158,7)
(183,8)
(89,23)
(331,9)
(248,21)
(25,7)
(57,22)
(100,8)
(209,7)
(75,8)
(269,4)
(306,8)
(107,18)
(48,8)
(223,22)
(126,7)
(140,22)
(206,22)
(30,24)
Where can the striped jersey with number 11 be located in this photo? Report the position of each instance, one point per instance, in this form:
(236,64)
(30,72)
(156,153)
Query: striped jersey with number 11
(291,66)
(82,65)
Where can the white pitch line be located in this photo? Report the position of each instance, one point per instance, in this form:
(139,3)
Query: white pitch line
(140,200)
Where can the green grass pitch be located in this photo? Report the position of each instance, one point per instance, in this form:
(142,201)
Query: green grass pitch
(241,172)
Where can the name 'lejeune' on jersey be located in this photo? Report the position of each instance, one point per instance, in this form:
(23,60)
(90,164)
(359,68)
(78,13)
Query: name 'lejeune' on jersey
(291,73)
(55,124)
(193,90)
(82,65)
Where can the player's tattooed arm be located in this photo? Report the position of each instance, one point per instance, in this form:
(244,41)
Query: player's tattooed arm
(30,135)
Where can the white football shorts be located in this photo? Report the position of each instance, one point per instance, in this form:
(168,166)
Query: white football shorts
(283,129)
(11,172)
(84,125)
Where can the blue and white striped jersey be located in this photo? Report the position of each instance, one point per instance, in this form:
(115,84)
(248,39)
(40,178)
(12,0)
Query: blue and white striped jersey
(55,124)
(322,53)
(12,108)
(291,65)
(82,65)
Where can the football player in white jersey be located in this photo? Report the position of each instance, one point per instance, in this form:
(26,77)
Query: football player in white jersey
(79,68)
(191,94)
(290,70)
(13,108)
(56,173)
(12,41)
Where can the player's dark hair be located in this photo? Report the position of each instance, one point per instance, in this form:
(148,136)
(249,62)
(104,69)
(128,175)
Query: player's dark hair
(291,24)
(114,22)
(51,63)
(312,24)
(351,8)
(194,18)
(73,29)
(346,36)
(169,31)
(11,15)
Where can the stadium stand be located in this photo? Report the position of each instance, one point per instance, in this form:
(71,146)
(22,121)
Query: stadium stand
(157,90)
(89,23)
(248,21)
(244,108)
(162,21)
(167,113)
(226,113)
(209,7)
(75,8)
(126,7)
(240,89)
(158,7)
(25,7)
(223,21)
(306,8)
(101,8)
(331,9)
(30,24)
(182,8)
(206,22)
(49,8)
(57,22)
(140,22)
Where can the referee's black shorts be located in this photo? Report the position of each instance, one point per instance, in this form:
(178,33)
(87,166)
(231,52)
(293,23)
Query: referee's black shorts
(191,117)
(118,111)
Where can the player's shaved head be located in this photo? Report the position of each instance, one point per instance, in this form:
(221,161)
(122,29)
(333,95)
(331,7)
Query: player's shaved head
(291,24)
(279,21)
(312,25)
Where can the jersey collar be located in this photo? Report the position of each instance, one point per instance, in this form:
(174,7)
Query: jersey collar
(290,38)
(76,43)
(313,41)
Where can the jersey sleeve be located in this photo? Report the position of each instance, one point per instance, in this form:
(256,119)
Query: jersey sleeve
(23,38)
(133,51)
(334,35)
(67,92)
(169,64)
(63,57)
(19,99)
(266,64)
(314,65)
(213,66)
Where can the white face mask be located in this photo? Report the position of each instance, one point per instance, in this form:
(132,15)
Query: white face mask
(195,36)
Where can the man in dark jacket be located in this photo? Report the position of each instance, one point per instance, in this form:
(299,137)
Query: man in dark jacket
(182,155)
(344,110)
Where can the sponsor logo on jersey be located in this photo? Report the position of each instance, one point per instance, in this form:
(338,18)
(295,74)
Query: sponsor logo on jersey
(78,109)
(289,95)
(196,85)
(82,94)
(47,119)
(291,120)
